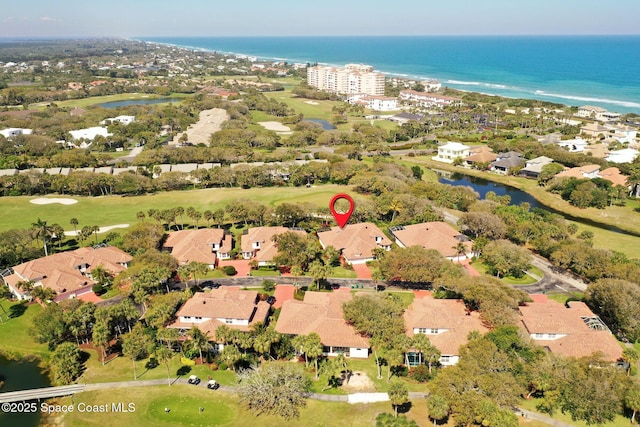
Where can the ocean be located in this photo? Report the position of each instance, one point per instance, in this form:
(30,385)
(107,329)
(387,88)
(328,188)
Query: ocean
(571,70)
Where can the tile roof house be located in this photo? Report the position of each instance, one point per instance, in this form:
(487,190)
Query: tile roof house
(580,172)
(258,243)
(446,322)
(532,168)
(356,242)
(227,305)
(507,161)
(433,235)
(482,154)
(321,312)
(614,176)
(202,245)
(573,331)
(67,273)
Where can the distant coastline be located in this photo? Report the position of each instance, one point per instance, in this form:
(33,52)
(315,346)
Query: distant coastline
(569,70)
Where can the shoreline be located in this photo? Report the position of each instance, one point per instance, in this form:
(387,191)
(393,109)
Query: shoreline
(490,88)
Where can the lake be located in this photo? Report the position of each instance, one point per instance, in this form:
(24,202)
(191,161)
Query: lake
(127,102)
(21,375)
(483,186)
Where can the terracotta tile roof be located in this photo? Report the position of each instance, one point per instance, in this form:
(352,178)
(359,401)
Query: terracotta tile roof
(320,312)
(263,236)
(225,302)
(614,176)
(194,245)
(430,313)
(481,154)
(579,172)
(432,235)
(62,272)
(545,316)
(355,241)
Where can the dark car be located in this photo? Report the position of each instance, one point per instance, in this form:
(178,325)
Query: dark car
(194,380)
(209,284)
(271,300)
(335,286)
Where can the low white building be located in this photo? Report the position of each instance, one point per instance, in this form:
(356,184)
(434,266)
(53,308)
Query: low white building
(576,145)
(125,120)
(13,132)
(627,155)
(376,103)
(89,134)
(448,153)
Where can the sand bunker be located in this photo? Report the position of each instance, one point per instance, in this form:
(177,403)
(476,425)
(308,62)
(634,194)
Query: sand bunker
(48,201)
(275,126)
(311,102)
(102,229)
(210,121)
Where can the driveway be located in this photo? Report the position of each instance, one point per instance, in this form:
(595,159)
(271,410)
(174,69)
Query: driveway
(283,293)
(362,271)
(241,265)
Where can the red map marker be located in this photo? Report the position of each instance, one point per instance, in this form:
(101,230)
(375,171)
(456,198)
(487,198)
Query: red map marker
(342,217)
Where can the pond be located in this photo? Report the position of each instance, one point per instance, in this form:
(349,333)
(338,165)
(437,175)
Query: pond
(483,186)
(21,375)
(325,124)
(127,102)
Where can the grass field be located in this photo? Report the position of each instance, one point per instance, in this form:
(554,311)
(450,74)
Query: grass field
(14,332)
(17,212)
(219,408)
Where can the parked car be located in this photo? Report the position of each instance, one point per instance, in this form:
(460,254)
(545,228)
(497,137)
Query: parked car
(194,380)
(213,385)
(335,286)
(209,284)
(271,300)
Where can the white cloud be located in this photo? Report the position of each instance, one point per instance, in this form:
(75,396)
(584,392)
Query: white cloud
(49,19)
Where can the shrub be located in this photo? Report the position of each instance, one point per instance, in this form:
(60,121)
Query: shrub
(229,270)
(268,285)
(222,367)
(98,289)
(420,374)
(187,362)
(214,366)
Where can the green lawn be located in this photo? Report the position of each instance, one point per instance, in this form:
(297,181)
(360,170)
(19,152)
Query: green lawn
(14,333)
(220,408)
(510,280)
(17,212)
(265,273)
(531,406)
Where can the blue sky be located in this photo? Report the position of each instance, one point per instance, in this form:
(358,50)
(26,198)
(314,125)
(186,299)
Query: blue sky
(70,18)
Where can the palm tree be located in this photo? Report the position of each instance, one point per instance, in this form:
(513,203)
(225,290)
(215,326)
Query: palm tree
(460,249)
(42,230)
(198,340)
(58,232)
(74,222)
(95,229)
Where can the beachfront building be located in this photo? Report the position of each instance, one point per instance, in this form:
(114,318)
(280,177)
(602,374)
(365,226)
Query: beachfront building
(428,100)
(321,312)
(448,153)
(376,103)
(356,242)
(597,113)
(68,274)
(352,78)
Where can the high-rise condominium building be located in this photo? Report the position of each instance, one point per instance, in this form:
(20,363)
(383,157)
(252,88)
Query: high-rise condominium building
(352,78)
